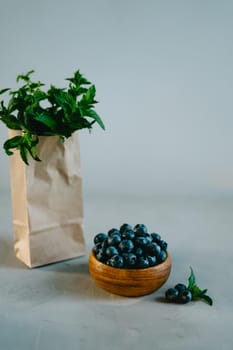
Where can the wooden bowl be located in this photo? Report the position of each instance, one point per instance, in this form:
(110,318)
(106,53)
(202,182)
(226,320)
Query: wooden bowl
(129,282)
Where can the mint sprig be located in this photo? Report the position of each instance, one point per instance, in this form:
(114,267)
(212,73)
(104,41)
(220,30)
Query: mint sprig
(55,112)
(197,292)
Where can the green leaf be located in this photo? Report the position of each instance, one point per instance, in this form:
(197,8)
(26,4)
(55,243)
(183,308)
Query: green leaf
(12,143)
(11,122)
(3,90)
(207,299)
(78,79)
(92,114)
(66,101)
(67,110)
(90,94)
(203,292)
(25,77)
(47,120)
(39,95)
(12,105)
(81,90)
(24,153)
(191,280)
(197,292)
(33,153)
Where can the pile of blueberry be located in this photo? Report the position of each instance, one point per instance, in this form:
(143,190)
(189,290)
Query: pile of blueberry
(179,294)
(130,247)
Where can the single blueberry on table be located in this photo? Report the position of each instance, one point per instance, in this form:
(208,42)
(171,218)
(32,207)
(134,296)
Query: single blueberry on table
(185,296)
(180,287)
(172,294)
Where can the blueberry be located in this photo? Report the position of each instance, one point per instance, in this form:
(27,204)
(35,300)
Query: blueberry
(141,241)
(185,296)
(100,237)
(138,251)
(125,227)
(172,294)
(116,261)
(140,229)
(128,234)
(162,256)
(180,287)
(152,260)
(114,240)
(162,244)
(97,247)
(154,249)
(130,259)
(101,255)
(126,246)
(142,262)
(155,237)
(113,231)
(110,251)
(104,244)
(148,237)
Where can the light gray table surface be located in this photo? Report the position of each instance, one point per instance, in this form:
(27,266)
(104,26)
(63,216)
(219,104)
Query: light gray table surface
(59,307)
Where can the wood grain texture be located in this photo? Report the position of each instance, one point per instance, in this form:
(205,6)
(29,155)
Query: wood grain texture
(129,282)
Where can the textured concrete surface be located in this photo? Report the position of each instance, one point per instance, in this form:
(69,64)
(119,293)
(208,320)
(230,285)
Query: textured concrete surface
(59,307)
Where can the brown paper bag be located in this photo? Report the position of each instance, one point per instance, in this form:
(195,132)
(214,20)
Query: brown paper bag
(47,202)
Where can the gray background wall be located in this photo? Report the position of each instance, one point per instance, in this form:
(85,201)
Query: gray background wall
(164,76)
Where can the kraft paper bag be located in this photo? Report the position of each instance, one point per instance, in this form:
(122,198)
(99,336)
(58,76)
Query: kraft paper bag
(47,204)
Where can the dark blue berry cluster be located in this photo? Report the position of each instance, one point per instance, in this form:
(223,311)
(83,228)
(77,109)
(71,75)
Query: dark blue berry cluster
(130,247)
(179,294)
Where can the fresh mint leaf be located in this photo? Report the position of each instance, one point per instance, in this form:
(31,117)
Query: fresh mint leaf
(197,292)
(11,122)
(57,111)
(46,120)
(24,153)
(191,280)
(25,77)
(207,299)
(12,143)
(78,79)
(92,114)
(33,153)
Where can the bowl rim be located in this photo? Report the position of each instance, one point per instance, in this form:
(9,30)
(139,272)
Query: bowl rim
(151,268)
